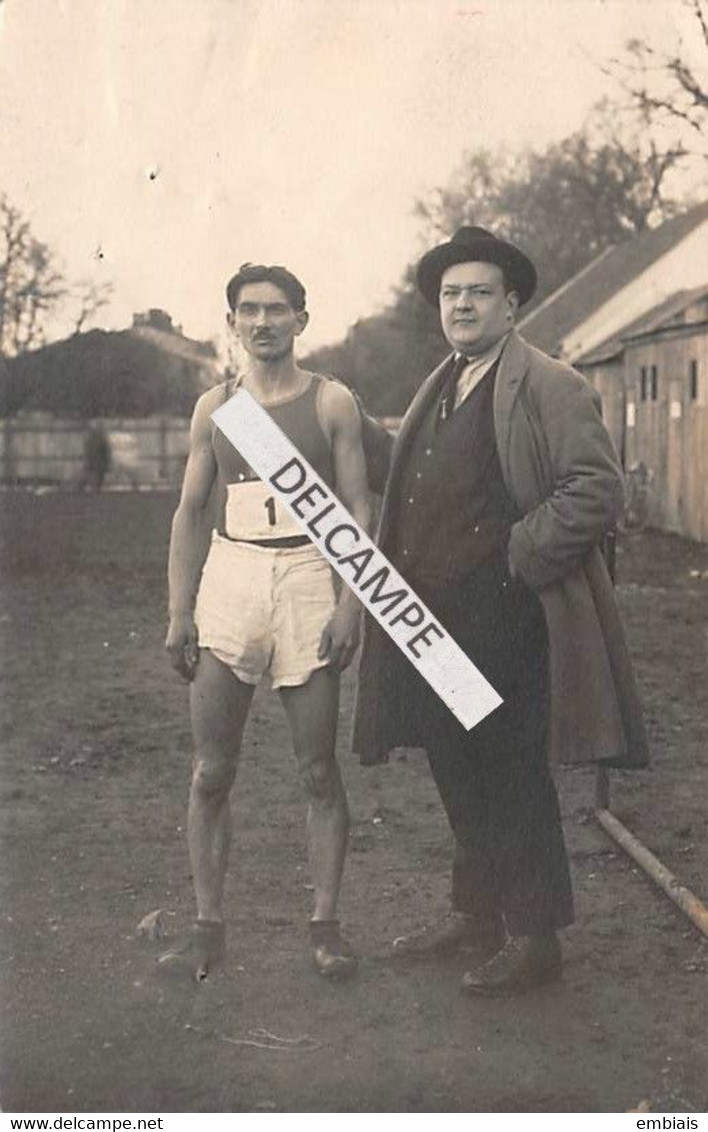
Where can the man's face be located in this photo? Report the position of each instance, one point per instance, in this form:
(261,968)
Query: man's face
(475,311)
(265,322)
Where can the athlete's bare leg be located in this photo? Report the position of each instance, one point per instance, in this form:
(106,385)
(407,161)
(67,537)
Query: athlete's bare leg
(312,714)
(219,704)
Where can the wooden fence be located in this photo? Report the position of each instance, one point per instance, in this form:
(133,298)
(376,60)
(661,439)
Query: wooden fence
(40,449)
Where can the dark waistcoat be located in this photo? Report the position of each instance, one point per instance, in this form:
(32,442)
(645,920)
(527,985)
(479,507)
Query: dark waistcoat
(450,521)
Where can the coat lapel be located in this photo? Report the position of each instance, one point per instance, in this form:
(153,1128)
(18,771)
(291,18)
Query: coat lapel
(513,367)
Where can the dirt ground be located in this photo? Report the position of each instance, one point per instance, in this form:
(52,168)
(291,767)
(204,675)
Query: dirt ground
(96,752)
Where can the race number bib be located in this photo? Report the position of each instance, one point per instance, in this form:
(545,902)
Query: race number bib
(255,511)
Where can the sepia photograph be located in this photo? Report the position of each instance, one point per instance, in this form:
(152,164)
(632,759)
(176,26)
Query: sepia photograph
(353,559)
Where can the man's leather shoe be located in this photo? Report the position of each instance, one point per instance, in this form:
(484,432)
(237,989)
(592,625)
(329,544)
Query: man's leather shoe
(456,931)
(524,962)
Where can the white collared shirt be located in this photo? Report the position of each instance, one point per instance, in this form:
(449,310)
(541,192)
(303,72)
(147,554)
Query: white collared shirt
(475,370)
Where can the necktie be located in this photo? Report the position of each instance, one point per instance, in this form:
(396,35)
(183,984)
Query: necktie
(449,389)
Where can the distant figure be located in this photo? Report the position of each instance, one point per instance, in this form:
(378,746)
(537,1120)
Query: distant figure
(97,458)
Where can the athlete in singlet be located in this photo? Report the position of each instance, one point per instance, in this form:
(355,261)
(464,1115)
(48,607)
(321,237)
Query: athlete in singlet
(255,597)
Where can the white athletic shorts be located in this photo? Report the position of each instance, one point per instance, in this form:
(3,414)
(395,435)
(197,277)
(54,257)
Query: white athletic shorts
(262,610)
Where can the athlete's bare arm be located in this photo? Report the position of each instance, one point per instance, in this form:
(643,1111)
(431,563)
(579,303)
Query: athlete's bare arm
(189,542)
(342,419)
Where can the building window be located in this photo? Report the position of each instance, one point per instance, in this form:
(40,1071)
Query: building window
(693,379)
(643,383)
(654,378)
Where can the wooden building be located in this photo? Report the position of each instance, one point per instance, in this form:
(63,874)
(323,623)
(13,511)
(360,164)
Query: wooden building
(635,322)
(653,380)
(665,375)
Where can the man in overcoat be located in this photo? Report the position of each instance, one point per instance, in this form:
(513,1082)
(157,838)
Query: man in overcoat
(503,485)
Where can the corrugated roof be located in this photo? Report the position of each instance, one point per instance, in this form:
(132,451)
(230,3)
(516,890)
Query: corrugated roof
(574,302)
(660,316)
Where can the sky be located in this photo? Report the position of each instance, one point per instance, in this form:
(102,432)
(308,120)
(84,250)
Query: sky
(158,144)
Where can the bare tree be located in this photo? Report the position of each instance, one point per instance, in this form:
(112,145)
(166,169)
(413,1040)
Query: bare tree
(30,284)
(91,297)
(667,87)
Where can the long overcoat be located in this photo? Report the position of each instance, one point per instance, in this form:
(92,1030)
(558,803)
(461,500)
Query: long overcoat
(562,472)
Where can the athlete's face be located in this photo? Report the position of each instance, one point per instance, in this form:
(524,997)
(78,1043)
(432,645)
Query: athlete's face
(265,322)
(475,310)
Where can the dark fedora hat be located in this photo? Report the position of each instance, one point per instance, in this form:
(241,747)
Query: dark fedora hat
(476,245)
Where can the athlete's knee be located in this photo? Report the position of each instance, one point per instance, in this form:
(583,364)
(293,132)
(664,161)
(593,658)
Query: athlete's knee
(212,777)
(321,779)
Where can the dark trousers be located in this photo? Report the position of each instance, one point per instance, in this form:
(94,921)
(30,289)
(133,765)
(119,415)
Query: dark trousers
(510,861)
(494,781)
